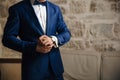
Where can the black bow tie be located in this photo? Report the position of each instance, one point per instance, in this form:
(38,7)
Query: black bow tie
(36,2)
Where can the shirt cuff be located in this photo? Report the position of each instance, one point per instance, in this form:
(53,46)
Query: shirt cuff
(55,40)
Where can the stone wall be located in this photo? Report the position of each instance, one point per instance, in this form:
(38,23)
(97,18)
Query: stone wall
(94,24)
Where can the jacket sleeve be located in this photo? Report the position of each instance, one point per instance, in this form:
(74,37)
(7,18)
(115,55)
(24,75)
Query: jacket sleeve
(11,32)
(63,34)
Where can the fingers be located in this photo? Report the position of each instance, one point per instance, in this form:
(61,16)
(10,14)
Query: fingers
(42,38)
(47,43)
(45,40)
(42,49)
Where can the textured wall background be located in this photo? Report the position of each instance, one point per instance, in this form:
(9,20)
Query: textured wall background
(94,24)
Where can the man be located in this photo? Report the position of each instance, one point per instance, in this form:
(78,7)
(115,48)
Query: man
(41,30)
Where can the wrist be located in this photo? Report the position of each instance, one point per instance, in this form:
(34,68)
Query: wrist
(55,41)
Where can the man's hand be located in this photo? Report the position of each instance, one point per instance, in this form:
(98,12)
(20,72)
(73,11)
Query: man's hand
(42,49)
(46,41)
(45,44)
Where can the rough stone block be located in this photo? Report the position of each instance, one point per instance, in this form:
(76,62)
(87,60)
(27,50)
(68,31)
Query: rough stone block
(3,8)
(102,31)
(103,46)
(78,44)
(117,31)
(59,1)
(78,7)
(99,6)
(77,28)
(9,53)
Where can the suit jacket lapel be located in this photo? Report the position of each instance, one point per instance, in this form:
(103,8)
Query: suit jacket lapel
(48,17)
(33,16)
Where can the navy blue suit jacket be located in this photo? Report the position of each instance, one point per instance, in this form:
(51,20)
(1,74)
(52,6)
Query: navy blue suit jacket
(23,23)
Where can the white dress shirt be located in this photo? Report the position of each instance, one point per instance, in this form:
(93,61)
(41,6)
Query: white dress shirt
(41,14)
